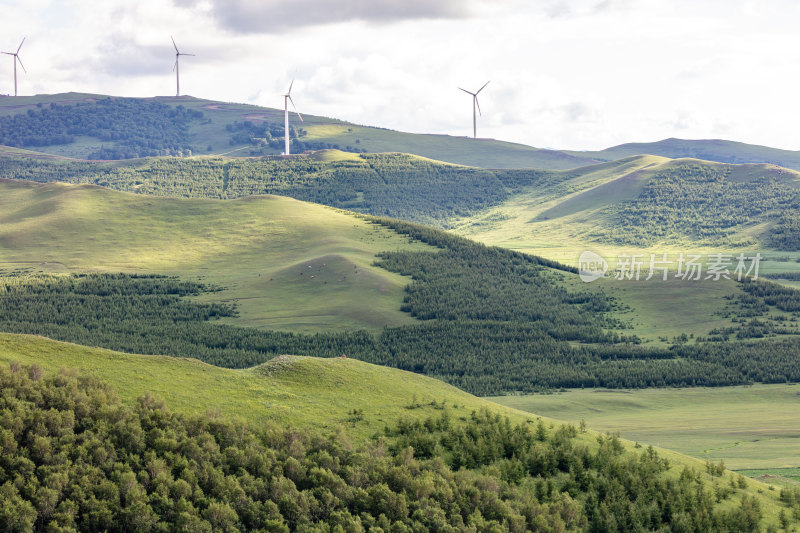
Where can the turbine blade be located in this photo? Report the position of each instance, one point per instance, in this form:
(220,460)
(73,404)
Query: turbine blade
(295,107)
(175,45)
(484,85)
(8,53)
(466,91)
(20,64)
(478,104)
(290,88)
(187,55)
(175,65)
(20,44)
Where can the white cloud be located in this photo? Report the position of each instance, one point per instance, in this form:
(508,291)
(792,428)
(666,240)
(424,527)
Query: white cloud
(577,74)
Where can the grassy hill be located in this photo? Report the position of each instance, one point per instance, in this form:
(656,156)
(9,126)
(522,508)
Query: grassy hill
(648,203)
(653,205)
(639,201)
(395,185)
(297,390)
(353,400)
(287,264)
(515,322)
(718,150)
(246,130)
(227,129)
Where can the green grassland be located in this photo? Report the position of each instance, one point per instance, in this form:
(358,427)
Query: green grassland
(303,391)
(322,394)
(585,209)
(209,136)
(287,264)
(783,477)
(290,266)
(752,427)
(582,208)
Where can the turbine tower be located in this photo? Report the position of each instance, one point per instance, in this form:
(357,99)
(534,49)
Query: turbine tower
(16,59)
(176,68)
(474,105)
(286,99)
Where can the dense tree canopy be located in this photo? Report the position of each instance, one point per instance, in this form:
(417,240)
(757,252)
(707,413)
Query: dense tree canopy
(132,127)
(74,459)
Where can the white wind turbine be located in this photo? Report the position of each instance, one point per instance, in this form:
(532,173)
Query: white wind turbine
(176,68)
(474,105)
(286,99)
(16,59)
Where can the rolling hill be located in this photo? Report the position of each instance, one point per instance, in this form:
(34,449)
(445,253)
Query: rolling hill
(648,203)
(233,279)
(47,123)
(180,125)
(380,290)
(287,264)
(334,408)
(641,201)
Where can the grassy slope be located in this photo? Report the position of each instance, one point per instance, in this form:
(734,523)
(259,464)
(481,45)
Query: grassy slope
(301,390)
(748,427)
(709,149)
(487,153)
(255,247)
(561,220)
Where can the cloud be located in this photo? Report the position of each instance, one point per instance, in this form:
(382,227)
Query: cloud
(275,16)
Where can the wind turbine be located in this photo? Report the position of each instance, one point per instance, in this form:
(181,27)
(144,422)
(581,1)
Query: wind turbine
(474,105)
(176,68)
(16,58)
(286,99)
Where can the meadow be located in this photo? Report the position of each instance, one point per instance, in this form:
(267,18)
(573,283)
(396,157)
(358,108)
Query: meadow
(287,264)
(748,427)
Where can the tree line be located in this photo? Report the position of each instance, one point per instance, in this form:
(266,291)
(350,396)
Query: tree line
(702,203)
(75,459)
(491,321)
(389,185)
(132,127)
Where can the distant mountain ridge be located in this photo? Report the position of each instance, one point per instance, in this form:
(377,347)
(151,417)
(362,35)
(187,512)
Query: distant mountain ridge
(718,150)
(245,130)
(237,130)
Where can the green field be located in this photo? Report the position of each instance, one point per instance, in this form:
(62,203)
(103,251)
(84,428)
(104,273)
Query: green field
(287,264)
(751,427)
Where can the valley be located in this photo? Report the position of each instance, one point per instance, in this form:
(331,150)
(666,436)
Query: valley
(414,296)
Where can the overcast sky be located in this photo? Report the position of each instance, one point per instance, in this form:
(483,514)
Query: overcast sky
(569,74)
